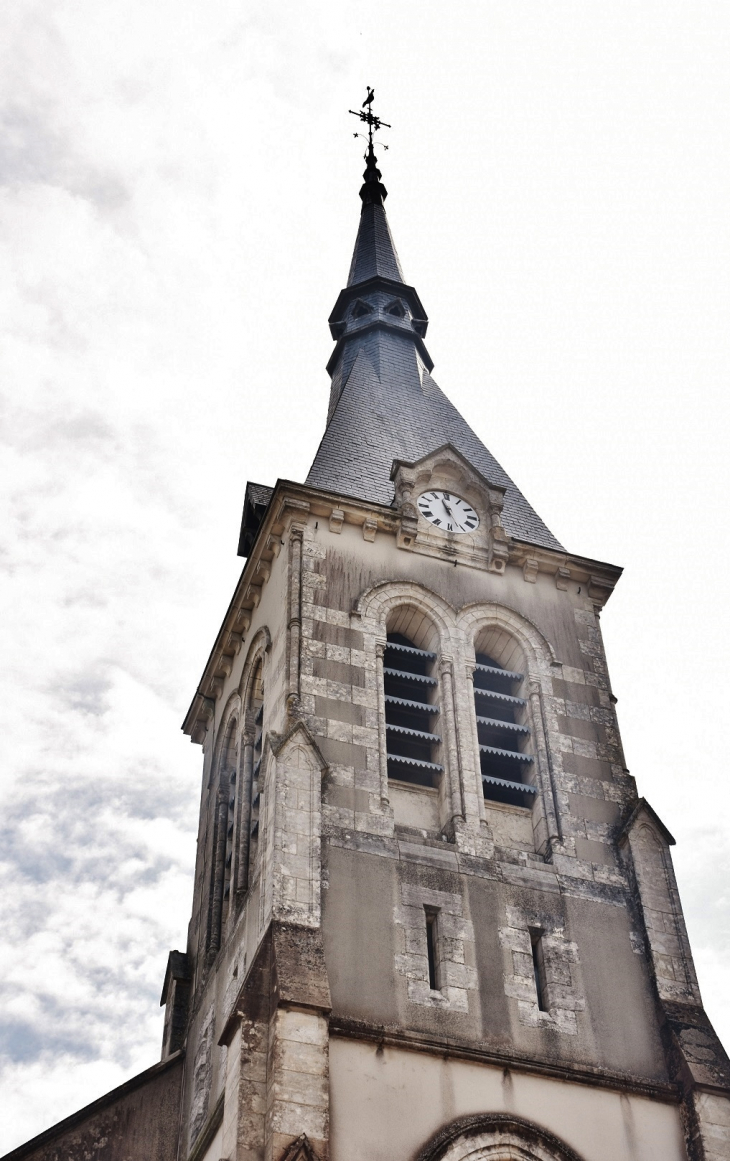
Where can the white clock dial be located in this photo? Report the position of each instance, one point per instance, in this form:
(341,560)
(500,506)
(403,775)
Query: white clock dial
(448,512)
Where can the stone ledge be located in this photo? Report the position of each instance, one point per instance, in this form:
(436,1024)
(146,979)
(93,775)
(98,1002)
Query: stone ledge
(446,1046)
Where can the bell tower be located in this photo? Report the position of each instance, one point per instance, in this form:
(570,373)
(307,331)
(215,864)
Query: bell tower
(433,919)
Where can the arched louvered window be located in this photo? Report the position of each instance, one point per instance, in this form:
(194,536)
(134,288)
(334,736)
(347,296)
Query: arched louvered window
(410,689)
(504,737)
(223,840)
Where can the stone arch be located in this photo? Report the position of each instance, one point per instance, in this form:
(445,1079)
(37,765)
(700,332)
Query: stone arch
(230,719)
(500,628)
(224,765)
(260,644)
(246,828)
(495,1137)
(380,604)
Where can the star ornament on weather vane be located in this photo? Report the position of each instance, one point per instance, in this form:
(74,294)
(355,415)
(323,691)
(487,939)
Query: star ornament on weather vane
(373,122)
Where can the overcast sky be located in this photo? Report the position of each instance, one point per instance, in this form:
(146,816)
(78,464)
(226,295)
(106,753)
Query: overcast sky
(179,203)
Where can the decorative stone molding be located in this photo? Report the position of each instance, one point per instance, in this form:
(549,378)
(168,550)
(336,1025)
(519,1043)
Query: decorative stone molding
(290,506)
(530,570)
(204,719)
(472,618)
(376,603)
(487,545)
(369,528)
(562,576)
(599,590)
(235,641)
(337,518)
(501,1136)
(243,620)
(260,644)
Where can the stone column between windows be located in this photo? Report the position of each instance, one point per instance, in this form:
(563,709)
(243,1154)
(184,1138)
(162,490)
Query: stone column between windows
(382,733)
(474,731)
(245,797)
(453,771)
(218,870)
(294,621)
(547,830)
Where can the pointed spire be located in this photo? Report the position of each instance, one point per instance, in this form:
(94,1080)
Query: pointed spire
(384,404)
(375,253)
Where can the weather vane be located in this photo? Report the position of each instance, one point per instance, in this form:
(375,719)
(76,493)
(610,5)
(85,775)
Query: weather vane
(373,122)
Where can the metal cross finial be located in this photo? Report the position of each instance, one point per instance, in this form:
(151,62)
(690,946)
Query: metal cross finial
(373,122)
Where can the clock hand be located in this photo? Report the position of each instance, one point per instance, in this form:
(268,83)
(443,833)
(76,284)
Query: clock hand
(451,514)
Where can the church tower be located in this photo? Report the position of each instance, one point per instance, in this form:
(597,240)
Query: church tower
(432,916)
(432,919)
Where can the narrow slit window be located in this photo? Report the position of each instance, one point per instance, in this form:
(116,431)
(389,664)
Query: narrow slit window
(432,949)
(538,967)
(410,710)
(504,738)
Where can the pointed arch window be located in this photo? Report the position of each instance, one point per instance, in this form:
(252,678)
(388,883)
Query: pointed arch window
(504,737)
(223,835)
(361,309)
(410,689)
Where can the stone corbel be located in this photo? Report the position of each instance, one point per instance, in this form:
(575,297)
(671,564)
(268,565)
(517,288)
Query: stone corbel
(562,576)
(243,621)
(273,545)
(369,528)
(253,594)
(203,721)
(235,641)
(262,571)
(599,590)
(290,507)
(337,519)
(530,570)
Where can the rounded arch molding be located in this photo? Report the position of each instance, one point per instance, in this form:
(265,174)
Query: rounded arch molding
(231,712)
(471,619)
(377,602)
(260,644)
(495,1137)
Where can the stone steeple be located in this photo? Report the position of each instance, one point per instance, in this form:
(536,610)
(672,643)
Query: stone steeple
(432,918)
(384,403)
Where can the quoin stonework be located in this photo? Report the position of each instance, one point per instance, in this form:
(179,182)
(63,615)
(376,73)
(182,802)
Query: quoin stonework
(433,920)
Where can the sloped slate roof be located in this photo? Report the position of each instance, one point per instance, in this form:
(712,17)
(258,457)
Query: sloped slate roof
(375,252)
(391,408)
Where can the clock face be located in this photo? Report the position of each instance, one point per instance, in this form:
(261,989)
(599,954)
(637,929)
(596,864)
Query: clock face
(448,512)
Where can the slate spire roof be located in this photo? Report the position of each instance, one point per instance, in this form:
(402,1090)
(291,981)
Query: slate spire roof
(384,403)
